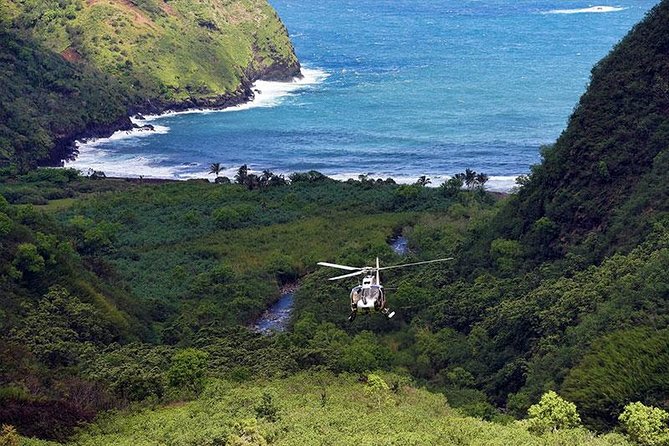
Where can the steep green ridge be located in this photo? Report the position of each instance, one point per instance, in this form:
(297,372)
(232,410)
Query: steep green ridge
(43,98)
(566,287)
(171,51)
(603,183)
(73,68)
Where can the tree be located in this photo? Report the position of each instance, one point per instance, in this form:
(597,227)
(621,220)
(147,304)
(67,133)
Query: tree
(267,408)
(423,181)
(216,169)
(645,425)
(242,174)
(265,178)
(27,259)
(470,178)
(377,390)
(6,224)
(481,179)
(552,413)
(452,186)
(188,369)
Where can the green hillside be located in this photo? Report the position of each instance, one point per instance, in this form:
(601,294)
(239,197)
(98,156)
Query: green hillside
(169,51)
(315,409)
(75,68)
(44,98)
(603,185)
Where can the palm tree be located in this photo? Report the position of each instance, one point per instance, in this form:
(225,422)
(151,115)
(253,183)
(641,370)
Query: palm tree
(481,179)
(266,178)
(470,178)
(242,174)
(423,181)
(215,168)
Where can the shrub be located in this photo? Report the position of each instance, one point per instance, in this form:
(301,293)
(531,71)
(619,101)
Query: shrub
(377,391)
(188,370)
(227,218)
(27,259)
(6,224)
(645,425)
(4,204)
(552,413)
(266,408)
(246,433)
(8,436)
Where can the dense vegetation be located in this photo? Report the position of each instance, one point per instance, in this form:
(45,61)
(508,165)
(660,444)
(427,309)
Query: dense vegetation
(136,296)
(42,97)
(72,68)
(601,186)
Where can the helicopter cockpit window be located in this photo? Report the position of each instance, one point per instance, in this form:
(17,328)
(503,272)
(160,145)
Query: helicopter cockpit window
(371,293)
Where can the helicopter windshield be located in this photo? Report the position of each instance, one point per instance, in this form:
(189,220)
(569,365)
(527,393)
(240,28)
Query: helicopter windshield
(372,292)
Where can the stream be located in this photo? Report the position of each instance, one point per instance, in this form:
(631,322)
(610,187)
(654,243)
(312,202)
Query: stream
(400,245)
(277,317)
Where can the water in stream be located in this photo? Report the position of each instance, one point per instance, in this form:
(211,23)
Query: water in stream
(277,317)
(400,245)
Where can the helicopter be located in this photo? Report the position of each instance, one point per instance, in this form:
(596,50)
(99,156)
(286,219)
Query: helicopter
(370,296)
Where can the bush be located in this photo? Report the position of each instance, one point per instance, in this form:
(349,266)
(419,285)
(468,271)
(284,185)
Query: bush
(27,259)
(227,218)
(188,370)
(645,425)
(266,408)
(552,413)
(6,224)
(377,391)
(8,436)
(246,433)
(4,204)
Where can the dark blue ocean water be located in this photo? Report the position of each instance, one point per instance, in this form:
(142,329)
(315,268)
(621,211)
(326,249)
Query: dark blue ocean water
(397,88)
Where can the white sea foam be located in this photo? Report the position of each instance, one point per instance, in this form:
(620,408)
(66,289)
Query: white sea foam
(495,183)
(591,9)
(92,155)
(267,94)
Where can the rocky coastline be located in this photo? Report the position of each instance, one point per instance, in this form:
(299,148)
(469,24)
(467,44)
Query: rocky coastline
(65,148)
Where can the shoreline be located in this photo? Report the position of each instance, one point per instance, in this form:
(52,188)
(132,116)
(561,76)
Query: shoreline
(66,148)
(287,287)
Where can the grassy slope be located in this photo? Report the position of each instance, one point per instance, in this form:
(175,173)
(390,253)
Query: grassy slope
(168,51)
(318,409)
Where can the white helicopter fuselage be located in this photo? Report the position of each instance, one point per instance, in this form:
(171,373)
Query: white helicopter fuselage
(369,295)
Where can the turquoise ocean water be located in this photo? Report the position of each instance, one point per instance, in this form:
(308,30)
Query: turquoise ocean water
(397,88)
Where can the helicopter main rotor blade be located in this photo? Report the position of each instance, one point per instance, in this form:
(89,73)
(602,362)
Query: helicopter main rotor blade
(416,263)
(357,273)
(334,265)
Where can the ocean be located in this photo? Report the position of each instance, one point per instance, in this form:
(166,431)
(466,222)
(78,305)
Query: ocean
(394,88)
